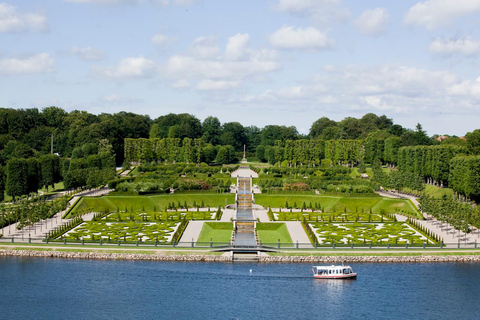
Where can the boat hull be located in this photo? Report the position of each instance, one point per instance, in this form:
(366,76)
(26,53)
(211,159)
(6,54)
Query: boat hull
(337,276)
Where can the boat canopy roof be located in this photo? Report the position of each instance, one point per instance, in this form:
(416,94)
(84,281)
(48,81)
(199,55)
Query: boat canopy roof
(331,267)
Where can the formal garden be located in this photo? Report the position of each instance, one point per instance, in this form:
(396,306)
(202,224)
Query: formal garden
(328,184)
(124,231)
(368,233)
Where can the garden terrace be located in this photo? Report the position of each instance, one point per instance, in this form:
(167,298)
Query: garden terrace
(217,232)
(338,204)
(147,204)
(124,231)
(272,233)
(366,233)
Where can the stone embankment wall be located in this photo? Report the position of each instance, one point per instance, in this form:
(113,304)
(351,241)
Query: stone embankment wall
(228,258)
(373,259)
(114,256)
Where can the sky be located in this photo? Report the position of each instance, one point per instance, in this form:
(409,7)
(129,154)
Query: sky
(258,62)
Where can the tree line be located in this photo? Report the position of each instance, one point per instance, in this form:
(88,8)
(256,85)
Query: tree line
(26,133)
(90,166)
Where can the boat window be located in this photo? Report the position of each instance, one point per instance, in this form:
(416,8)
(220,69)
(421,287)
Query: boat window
(345,271)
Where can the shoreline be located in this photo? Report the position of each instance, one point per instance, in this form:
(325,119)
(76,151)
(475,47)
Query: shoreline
(192,257)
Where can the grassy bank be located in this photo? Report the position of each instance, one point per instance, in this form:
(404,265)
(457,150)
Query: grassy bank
(150,203)
(375,204)
(271,233)
(216,232)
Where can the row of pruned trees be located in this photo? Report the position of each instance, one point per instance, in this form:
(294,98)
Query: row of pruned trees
(313,152)
(464,176)
(443,166)
(92,171)
(431,162)
(172,150)
(458,214)
(25,176)
(31,211)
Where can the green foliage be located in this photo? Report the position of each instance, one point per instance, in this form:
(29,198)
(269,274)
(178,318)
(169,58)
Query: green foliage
(50,170)
(430,162)
(459,214)
(2,183)
(17,173)
(465,175)
(344,152)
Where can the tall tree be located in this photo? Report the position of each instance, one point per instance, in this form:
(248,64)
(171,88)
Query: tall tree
(50,170)
(211,130)
(33,175)
(233,133)
(2,183)
(473,141)
(271,133)
(186,126)
(319,126)
(17,174)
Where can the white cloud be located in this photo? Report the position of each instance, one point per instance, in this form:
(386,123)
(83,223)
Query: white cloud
(88,53)
(190,67)
(119,99)
(181,84)
(186,3)
(469,89)
(39,63)
(206,67)
(160,39)
(121,2)
(237,46)
(320,11)
(132,67)
(208,85)
(398,89)
(298,38)
(463,46)
(12,21)
(433,13)
(110,2)
(205,48)
(373,22)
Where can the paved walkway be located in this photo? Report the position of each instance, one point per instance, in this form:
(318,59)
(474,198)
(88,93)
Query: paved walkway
(192,231)
(227,215)
(41,228)
(244,172)
(449,235)
(297,234)
(262,215)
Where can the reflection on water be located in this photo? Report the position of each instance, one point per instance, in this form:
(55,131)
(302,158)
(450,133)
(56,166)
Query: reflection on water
(333,288)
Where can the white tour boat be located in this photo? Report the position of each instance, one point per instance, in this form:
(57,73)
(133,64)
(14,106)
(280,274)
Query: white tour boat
(333,272)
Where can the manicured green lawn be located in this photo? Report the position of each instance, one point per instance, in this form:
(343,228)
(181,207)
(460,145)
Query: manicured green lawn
(339,204)
(438,192)
(216,232)
(150,203)
(270,233)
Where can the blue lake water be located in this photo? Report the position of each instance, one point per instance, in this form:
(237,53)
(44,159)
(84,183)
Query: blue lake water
(36,288)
